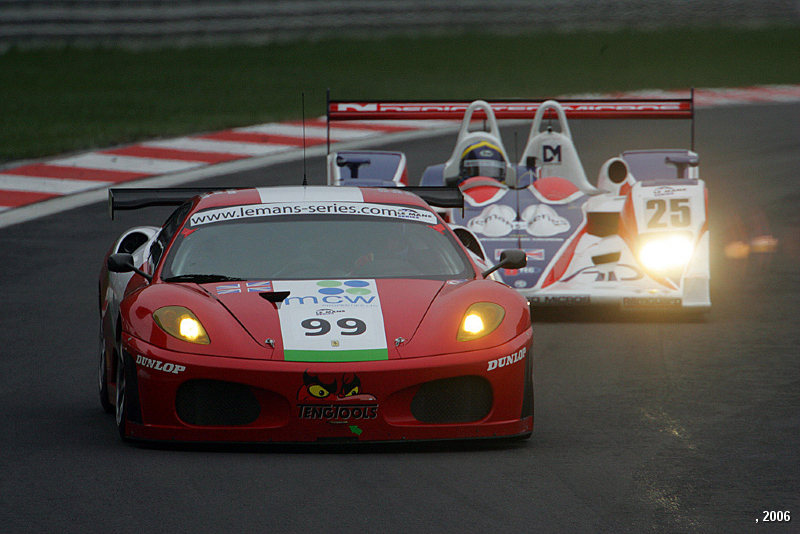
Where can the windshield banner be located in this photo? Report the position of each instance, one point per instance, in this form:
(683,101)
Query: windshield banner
(312,208)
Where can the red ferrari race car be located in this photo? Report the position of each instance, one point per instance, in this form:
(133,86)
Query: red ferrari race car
(305,314)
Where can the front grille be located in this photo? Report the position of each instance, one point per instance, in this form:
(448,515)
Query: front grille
(216,403)
(462,399)
(602,224)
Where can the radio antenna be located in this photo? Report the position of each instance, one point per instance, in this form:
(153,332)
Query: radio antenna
(303,105)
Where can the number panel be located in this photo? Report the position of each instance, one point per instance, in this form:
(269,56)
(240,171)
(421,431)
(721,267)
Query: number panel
(332,320)
(662,214)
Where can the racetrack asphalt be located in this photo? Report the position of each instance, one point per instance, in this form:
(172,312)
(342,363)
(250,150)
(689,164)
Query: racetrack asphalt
(641,425)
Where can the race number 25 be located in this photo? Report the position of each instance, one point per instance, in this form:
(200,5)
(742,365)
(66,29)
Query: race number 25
(675,213)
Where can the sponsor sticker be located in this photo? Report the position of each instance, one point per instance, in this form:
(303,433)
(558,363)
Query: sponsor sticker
(458,108)
(507,360)
(533,254)
(543,221)
(669,302)
(553,300)
(333,413)
(335,399)
(332,321)
(158,365)
(311,208)
(622,272)
(243,287)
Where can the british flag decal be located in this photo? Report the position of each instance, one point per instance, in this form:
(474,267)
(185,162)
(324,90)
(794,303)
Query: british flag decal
(244,287)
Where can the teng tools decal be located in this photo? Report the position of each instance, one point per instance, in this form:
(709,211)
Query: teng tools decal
(334,399)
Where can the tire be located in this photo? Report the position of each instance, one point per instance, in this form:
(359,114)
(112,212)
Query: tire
(121,404)
(103,380)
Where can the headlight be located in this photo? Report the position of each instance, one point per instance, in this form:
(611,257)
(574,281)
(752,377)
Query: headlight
(665,252)
(481,319)
(181,323)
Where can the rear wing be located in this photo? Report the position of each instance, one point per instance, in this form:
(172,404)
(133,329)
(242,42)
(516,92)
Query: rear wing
(629,108)
(129,198)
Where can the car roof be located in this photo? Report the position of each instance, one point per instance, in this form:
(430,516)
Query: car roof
(267,195)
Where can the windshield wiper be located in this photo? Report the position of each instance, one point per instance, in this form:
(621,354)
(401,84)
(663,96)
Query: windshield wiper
(203,278)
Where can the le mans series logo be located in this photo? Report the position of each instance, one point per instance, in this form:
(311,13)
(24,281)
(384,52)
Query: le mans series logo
(335,399)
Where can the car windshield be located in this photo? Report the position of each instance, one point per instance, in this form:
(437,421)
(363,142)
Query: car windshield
(655,165)
(314,247)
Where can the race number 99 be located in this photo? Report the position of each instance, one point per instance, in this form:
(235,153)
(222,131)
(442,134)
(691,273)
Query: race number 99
(348,326)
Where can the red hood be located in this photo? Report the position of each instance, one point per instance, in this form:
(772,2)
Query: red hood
(403,304)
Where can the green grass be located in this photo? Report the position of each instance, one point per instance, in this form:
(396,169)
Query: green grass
(59,100)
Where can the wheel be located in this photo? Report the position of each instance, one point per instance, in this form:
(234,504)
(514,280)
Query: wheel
(103,380)
(121,404)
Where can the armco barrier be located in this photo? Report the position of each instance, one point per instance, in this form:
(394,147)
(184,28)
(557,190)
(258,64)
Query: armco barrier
(147,22)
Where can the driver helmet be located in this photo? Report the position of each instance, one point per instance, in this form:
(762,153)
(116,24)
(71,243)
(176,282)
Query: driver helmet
(482,159)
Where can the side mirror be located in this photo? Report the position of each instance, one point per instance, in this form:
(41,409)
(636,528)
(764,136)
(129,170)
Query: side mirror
(681,162)
(123,263)
(352,164)
(509,259)
(120,263)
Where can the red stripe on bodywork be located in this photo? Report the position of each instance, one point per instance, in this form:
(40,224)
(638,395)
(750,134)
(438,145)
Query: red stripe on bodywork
(563,261)
(390,196)
(43,170)
(229,198)
(554,188)
(172,153)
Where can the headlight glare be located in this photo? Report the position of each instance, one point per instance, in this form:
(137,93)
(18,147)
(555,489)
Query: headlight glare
(473,324)
(666,252)
(181,323)
(481,319)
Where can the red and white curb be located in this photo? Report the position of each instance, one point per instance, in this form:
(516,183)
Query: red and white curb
(186,158)
(706,98)
(35,182)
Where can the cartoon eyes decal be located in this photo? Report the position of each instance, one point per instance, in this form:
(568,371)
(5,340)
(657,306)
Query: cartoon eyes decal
(352,392)
(347,385)
(318,391)
(351,385)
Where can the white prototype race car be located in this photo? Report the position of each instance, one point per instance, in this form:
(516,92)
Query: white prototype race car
(637,238)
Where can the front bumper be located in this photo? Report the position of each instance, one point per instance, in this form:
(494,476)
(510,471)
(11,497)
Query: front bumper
(187,397)
(692,295)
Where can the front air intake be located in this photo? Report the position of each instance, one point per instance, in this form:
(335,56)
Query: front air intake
(602,224)
(462,399)
(216,403)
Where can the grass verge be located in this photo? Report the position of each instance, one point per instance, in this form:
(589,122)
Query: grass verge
(65,99)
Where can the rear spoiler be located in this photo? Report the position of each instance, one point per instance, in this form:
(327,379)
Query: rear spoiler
(129,198)
(123,198)
(629,108)
(440,196)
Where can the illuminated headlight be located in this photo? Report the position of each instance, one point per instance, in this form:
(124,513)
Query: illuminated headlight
(666,252)
(481,319)
(181,323)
